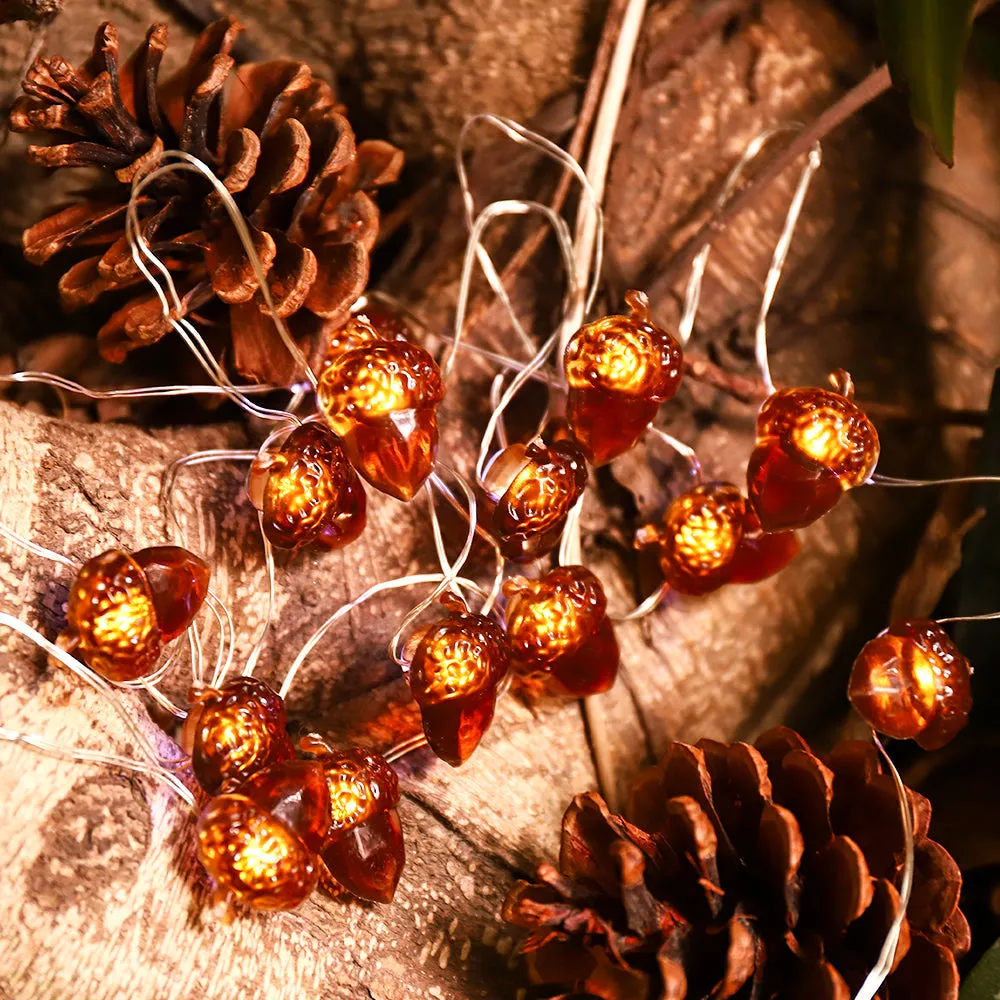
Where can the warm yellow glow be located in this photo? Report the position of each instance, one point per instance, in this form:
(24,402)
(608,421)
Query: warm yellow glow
(369,386)
(235,737)
(925,677)
(704,540)
(615,354)
(126,623)
(260,857)
(350,797)
(554,622)
(452,665)
(823,436)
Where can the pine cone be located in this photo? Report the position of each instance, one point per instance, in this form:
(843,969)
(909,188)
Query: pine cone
(746,872)
(276,137)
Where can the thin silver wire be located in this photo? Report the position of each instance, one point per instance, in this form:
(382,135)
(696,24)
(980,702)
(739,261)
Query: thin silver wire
(149,392)
(197,657)
(449,578)
(684,450)
(345,609)
(988,617)
(170,473)
(778,263)
(877,479)
(497,210)
(224,656)
(692,293)
(88,676)
(187,331)
(525,137)
(648,606)
(496,389)
(38,550)
(571,541)
(254,656)
(405,747)
(498,556)
(78,754)
(186,163)
(883,966)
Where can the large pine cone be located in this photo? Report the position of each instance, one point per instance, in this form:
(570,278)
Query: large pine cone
(746,872)
(275,136)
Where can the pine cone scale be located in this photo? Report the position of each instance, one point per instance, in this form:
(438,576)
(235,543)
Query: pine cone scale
(272,133)
(798,911)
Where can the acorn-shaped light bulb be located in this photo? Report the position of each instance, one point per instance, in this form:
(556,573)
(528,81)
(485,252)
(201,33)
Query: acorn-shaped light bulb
(699,537)
(912,682)
(363,848)
(235,731)
(381,399)
(558,627)
(254,855)
(531,488)
(619,370)
(812,445)
(456,667)
(307,490)
(123,608)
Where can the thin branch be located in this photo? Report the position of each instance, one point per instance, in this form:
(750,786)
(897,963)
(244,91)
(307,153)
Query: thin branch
(873,85)
(588,108)
(748,389)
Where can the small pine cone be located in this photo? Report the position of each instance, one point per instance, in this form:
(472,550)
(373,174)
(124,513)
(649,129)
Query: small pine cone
(746,872)
(275,136)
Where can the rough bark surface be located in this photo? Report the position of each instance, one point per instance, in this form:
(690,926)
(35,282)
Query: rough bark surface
(99,877)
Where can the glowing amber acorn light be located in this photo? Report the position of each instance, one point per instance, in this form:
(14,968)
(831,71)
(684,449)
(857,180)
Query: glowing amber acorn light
(234,731)
(254,855)
(307,490)
(381,398)
(363,848)
(558,628)
(455,670)
(619,370)
(710,537)
(812,445)
(531,489)
(911,682)
(123,608)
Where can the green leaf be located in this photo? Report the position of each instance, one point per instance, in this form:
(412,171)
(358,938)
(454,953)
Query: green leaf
(925,44)
(983,983)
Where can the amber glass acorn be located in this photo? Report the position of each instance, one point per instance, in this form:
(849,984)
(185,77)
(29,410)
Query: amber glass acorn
(249,852)
(812,445)
(382,400)
(760,554)
(699,537)
(456,668)
(296,793)
(234,731)
(531,489)
(111,619)
(307,491)
(911,682)
(557,627)
(363,848)
(178,582)
(619,370)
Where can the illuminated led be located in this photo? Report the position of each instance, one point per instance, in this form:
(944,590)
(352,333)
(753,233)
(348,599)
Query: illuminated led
(560,636)
(455,671)
(812,445)
(911,682)
(250,853)
(382,400)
